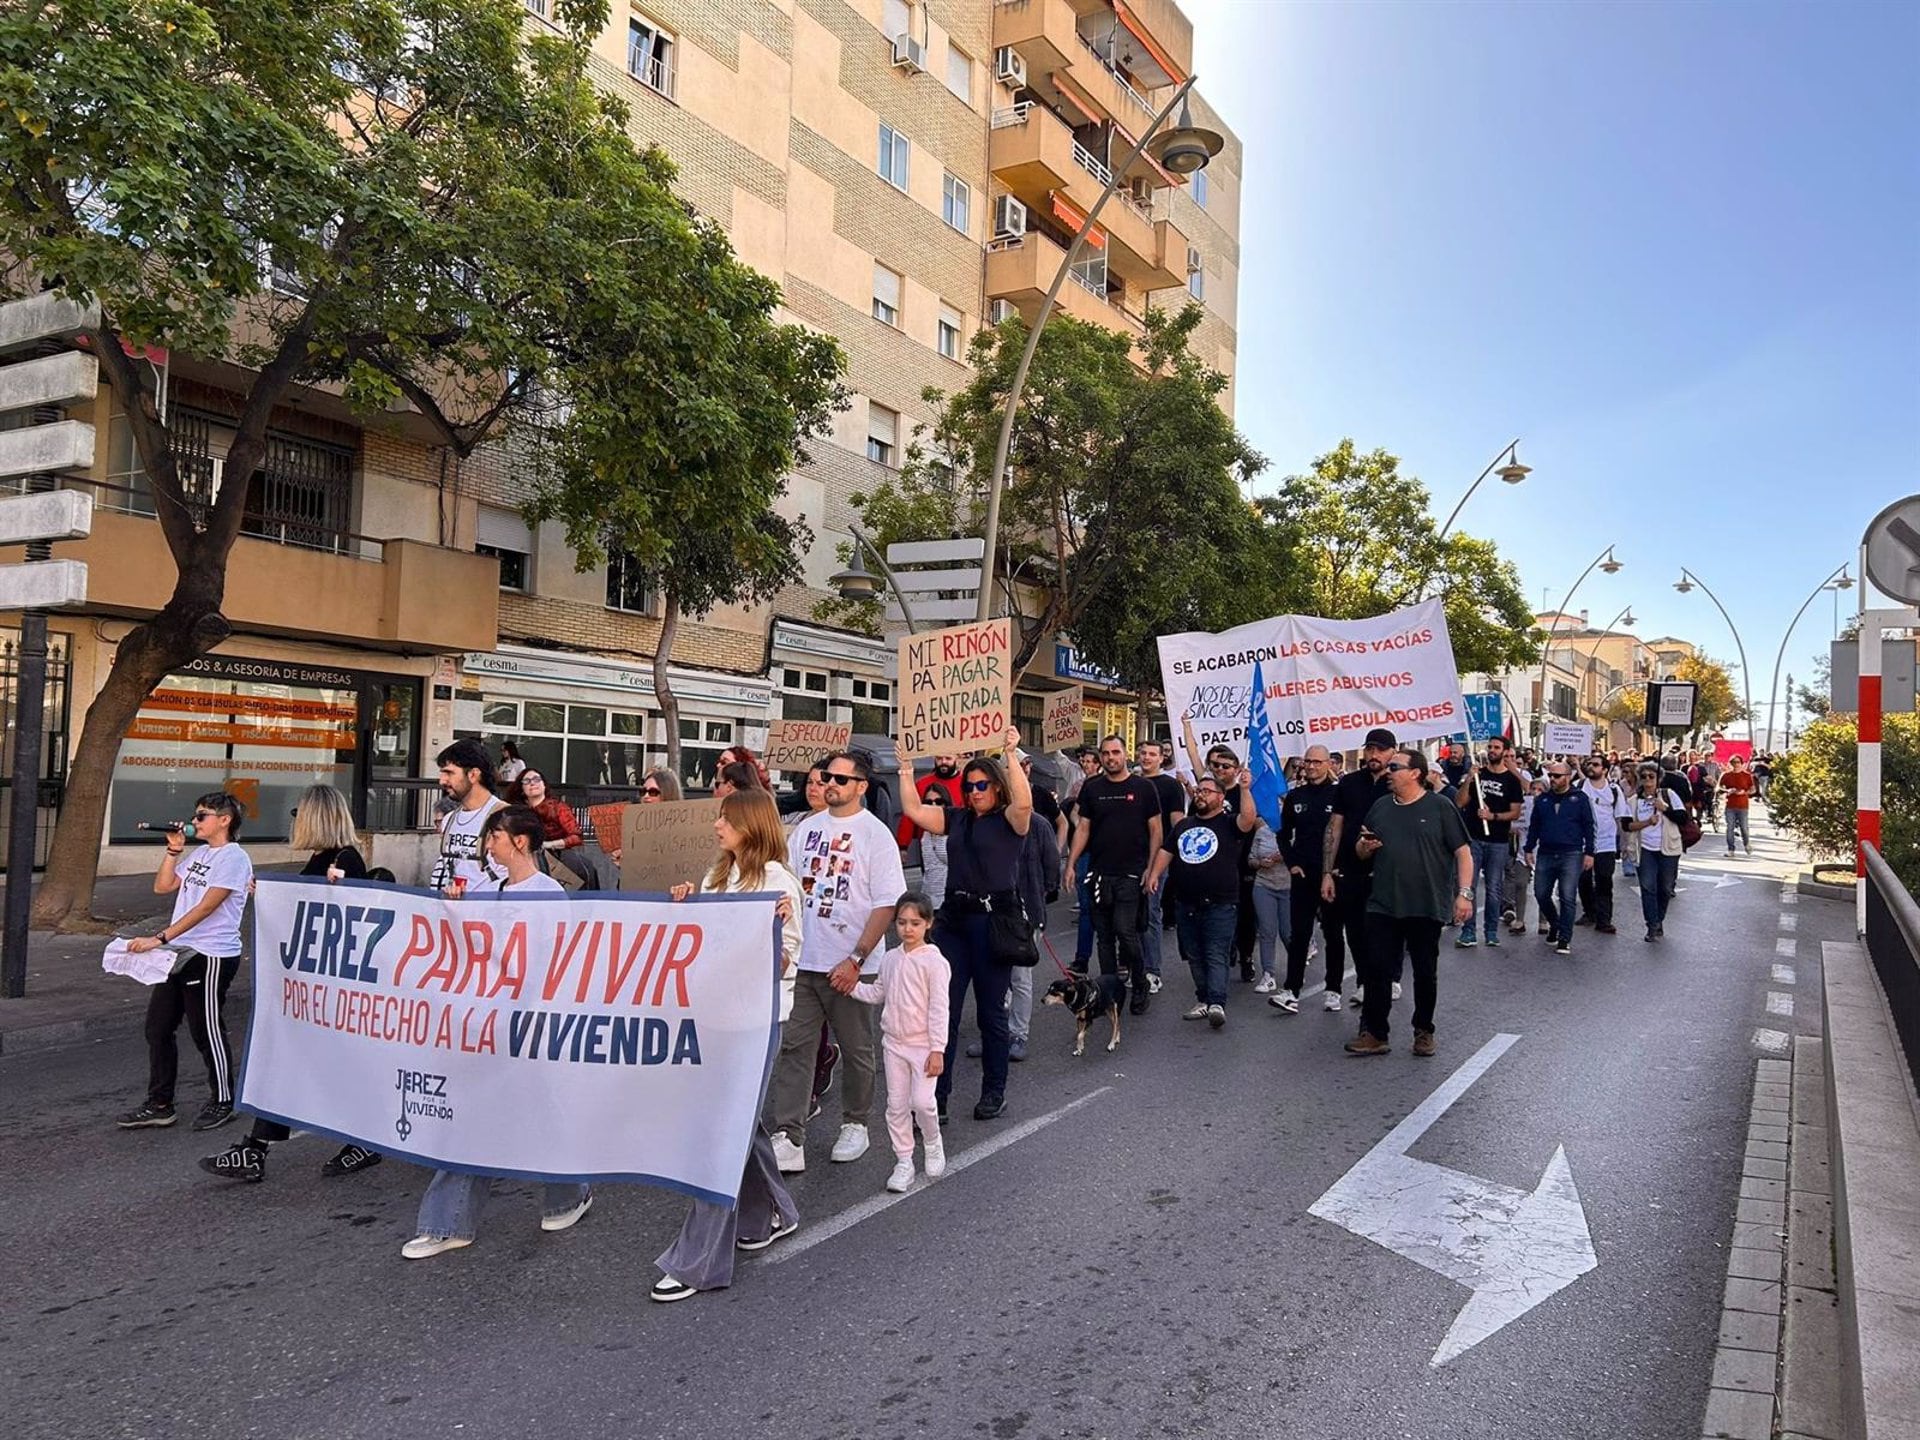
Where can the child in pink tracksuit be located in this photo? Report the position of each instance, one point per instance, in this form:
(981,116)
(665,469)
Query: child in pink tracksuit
(912,986)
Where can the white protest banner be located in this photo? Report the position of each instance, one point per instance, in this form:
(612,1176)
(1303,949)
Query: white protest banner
(1061,720)
(796,744)
(1328,681)
(1563,737)
(667,842)
(533,1035)
(955,690)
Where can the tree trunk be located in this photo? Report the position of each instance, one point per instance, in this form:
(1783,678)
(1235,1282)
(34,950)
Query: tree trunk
(662,686)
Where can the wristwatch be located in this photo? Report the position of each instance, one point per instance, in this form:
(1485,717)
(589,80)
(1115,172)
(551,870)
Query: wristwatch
(1465,894)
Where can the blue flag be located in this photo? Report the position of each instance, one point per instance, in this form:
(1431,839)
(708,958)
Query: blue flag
(1263,755)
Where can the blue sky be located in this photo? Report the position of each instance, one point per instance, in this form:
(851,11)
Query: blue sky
(1674,247)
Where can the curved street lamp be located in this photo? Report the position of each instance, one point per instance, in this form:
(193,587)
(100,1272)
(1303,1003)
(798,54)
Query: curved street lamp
(1181,150)
(1603,561)
(1685,583)
(1625,617)
(1845,582)
(1513,472)
(1833,582)
(856,582)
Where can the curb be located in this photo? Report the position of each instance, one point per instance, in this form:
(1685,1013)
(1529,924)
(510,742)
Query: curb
(58,1034)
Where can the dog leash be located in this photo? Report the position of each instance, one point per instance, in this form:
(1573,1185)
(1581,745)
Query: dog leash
(1056,959)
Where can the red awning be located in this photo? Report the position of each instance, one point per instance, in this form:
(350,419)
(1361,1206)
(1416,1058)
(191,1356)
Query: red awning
(1139,32)
(1075,219)
(1075,97)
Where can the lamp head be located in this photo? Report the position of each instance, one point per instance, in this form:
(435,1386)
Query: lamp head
(1186,147)
(1627,619)
(856,582)
(1610,566)
(1513,472)
(1683,584)
(1845,582)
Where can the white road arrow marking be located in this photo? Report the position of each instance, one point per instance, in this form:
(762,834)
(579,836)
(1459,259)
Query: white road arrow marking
(1512,1248)
(1724,881)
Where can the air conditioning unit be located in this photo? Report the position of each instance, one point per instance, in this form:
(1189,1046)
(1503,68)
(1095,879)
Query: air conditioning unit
(1010,67)
(1195,261)
(999,310)
(1009,217)
(909,54)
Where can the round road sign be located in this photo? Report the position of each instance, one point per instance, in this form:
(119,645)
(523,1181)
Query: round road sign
(1892,546)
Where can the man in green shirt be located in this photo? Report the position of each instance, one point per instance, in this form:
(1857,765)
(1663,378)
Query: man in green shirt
(1422,880)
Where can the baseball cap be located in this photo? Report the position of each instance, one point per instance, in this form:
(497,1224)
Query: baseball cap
(1379,740)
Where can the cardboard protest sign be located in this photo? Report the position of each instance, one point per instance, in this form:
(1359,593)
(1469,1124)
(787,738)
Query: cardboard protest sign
(1563,737)
(796,744)
(1060,722)
(667,842)
(956,689)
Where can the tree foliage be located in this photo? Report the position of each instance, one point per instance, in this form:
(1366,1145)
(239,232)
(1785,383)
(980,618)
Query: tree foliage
(1123,518)
(1354,538)
(1715,702)
(1813,791)
(426,203)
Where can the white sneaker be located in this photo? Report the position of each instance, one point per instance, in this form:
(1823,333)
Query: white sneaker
(1396,989)
(1216,1015)
(788,1157)
(1333,999)
(901,1179)
(1286,1000)
(936,1158)
(1153,984)
(1198,1012)
(425,1247)
(1265,985)
(852,1143)
(567,1218)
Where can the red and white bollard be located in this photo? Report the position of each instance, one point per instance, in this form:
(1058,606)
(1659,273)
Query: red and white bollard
(1867,804)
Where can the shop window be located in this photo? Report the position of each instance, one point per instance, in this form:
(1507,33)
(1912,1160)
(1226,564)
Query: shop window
(701,742)
(628,587)
(872,707)
(574,745)
(803,694)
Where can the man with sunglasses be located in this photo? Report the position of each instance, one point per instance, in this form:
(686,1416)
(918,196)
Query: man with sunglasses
(1347,874)
(211,894)
(1610,807)
(1119,833)
(1562,832)
(849,870)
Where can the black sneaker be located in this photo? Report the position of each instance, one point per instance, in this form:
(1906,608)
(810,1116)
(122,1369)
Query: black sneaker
(350,1159)
(213,1115)
(1563,948)
(238,1162)
(989,1107)
(148,1116)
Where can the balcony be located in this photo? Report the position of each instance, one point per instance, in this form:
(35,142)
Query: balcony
(1041,30)
(1030,151)
(384,594)
(1020,270)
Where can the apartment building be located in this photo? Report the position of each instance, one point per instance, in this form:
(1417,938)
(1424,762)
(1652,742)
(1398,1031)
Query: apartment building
(908,171)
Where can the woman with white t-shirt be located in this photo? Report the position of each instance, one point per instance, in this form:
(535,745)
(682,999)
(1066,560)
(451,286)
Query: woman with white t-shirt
(1657,816)
(211,895)
(450,1210)
(752,858)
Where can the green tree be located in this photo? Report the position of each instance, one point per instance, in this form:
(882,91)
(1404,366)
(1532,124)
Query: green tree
(1715,703)
(1813,793)
(688,494)
(1354,538)
(1123,518)
(419,201)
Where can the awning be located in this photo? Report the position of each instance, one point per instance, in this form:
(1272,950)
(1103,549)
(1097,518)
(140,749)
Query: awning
(1145,158)
(1075,219)
(1139,32)
(1075,97)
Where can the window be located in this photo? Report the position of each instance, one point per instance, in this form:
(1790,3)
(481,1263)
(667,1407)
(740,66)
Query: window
(886,296)
(895,19)
(1200,188)
(960,73)
(538,7)
(894,155)
(569,744)
(1090,272)
(872,710)
(956,203)
(505,536)
(1197,284)
(701,742)
(948,334)
(650,55)
(883,434)
(803,694)
(627,585)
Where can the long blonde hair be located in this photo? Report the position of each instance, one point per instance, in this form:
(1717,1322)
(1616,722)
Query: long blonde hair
(323,821)
(762,840)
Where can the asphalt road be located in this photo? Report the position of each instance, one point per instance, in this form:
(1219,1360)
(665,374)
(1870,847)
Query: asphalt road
(1142,1265)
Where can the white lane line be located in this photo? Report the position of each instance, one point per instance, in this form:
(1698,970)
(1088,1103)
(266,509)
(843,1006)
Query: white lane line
(1774,1042)
(867,1209)
(1784,946)
(1779,1002)
(1789,897)
(1789,921)
(1784,975)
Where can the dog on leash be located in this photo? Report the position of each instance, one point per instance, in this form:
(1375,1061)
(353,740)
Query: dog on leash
(1089,999)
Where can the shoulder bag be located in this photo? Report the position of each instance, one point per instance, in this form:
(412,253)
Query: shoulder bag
(1009,936)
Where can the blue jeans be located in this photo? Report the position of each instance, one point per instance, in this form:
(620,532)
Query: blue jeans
(451,1207)
(1152,920)
(1206,939)
(1489,866)
(1273,915)
(1658,875)
(1737,820)
(1083,942)
(1557,870)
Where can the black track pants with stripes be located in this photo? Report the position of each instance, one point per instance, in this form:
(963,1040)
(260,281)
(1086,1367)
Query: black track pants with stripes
(186,993)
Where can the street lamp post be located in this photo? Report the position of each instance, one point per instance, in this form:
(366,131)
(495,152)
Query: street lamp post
(1833,582)
(1513,472)
(857,582)
(1685,583)
(1603,561)
(1182,150)
(1845,582)
(1625,617)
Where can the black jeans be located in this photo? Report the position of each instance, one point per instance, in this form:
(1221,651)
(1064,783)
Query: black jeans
(1246,928)
(1116,927)
(965,941)
(1350,896)
(1596,888)
(1307,906)
(186,994)
(1387,937)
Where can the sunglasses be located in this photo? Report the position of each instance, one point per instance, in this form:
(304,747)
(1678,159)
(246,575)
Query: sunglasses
(650,790)
(832,779)
(1395,765)
(975,786)
(1556,774)
(209,814)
